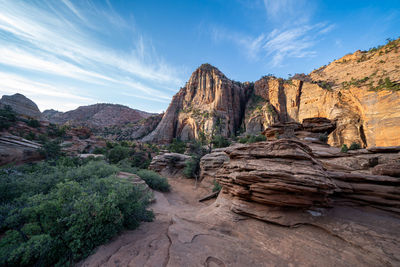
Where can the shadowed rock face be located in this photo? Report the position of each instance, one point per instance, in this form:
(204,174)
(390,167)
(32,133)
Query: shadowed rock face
(21,105)
(209,102)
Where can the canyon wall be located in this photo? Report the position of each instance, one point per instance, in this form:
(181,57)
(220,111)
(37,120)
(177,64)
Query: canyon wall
(360,93)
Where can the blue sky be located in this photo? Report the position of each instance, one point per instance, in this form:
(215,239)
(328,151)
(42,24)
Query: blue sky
(63,54)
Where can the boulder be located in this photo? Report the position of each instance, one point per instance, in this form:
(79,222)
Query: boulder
(169,164)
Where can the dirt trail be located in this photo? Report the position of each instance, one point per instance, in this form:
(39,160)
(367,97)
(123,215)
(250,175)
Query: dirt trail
(188,233)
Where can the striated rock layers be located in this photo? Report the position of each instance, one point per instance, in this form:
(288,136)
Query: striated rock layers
(209,103)
(359,93)
(169,164)
(278,181)
(22,105)
(17,150)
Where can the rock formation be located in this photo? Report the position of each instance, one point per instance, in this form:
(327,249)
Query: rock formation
(279,181)
(22,105)
(209,103)
(108,120)
(97,115)
(359,93)
(17,150)
(169,164)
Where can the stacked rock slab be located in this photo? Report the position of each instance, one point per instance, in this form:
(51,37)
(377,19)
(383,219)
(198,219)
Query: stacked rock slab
(169,164)
(282,173)
(286,180)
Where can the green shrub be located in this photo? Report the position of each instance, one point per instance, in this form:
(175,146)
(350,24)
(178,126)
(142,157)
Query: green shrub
(217,186)
(354,146)
(192,167)
(55,131)
(56,215)
(252,139)
(220,141)
(100,150)
(154,180)
(51,150)
(344,148)
(177,146)
(7,117)
(117,153)
(33,123)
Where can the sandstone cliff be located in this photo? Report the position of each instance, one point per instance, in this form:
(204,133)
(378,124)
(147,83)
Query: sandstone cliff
(359,93)
(208,103)
(22,105)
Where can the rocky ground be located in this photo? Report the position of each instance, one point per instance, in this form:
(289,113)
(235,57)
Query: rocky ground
(188,233)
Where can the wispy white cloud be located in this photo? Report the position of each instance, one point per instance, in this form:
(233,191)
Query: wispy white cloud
(46,95)
(61,38)
(292,34)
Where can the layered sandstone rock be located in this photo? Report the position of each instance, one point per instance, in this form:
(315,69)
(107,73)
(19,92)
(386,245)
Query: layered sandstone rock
(288,181)
(169,164)
(209,103)
(22,105)
(211,163)
(17,150)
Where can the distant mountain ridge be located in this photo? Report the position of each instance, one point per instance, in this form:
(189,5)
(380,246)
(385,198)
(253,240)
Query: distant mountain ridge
(97,116)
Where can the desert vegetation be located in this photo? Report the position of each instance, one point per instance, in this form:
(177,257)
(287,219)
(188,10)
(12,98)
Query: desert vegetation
(56,213)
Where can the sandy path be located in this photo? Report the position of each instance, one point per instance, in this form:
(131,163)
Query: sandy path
(188,233)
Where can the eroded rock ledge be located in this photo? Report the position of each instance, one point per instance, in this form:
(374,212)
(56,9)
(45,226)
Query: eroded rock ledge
(290,182)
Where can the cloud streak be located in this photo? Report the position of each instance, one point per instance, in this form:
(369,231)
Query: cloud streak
(61,39)
(292,34)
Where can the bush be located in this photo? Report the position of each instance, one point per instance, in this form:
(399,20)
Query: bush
(7,117)
(248,139)
(154,181)
(51,150)
(344,148)
(177,146)
(33,123)
(217,187)
(192,168)
(220,141)
(56,215)
(117,153)
(99,150)
(354,146)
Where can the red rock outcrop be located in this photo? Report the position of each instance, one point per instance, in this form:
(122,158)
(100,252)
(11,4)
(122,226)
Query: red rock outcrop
(208,102)
(278,181)
(17,150)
